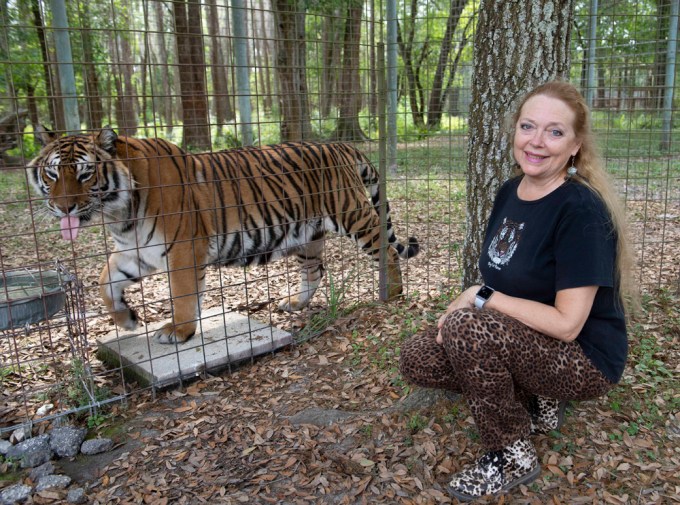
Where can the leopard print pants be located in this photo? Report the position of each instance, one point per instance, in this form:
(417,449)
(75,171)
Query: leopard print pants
(497,363)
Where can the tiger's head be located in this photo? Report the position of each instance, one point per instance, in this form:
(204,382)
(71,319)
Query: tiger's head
(79,176)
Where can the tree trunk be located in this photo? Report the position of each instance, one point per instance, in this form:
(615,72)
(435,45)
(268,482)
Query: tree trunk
(32,105)
(145,67)
(196,131)
(663,10)
(518,45)
(435,107)
(373,71)
(291,65)
(349,93)
(218,69)
(126,111)
(331,60)
(4,55)
(267,102)
(406,50)
(56,111)
(448,89)
(95,108)
(165,100)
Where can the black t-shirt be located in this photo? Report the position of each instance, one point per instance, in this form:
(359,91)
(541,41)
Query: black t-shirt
(564,240)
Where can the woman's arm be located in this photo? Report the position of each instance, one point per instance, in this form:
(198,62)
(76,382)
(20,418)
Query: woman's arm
(564,321)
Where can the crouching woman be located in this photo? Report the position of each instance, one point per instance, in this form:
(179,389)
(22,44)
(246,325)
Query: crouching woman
(548,324)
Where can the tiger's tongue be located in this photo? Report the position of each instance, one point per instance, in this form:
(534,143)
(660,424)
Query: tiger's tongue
(69,227)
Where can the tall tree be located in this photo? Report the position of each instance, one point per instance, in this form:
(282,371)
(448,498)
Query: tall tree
(659,75)
(435,106)
(349,89)
(95,108)
(4,55)
(267,102)
(56,111)
(191,59)
(416,55)
(161,60)
(518,45)
(332,50)
(218,69)
(291,66)
(125,106)
(406,39)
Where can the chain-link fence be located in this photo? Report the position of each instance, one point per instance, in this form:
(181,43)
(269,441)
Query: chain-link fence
(219,75)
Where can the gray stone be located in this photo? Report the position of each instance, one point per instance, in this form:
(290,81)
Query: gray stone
(96,445)
(32,452)
(4,446)
(227,338)
(76,495)
(66,441)
(421,398)
(18,493)
(53,482)
(41,471)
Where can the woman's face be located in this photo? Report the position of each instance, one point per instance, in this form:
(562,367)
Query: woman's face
(544,138)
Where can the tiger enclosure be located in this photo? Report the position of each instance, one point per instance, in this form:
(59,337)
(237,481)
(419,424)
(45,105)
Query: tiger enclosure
(272,196)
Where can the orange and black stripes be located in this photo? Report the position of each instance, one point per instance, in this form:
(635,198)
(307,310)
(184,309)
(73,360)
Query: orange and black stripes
(169,209)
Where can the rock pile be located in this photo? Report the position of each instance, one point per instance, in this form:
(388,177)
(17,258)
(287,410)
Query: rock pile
(37,453)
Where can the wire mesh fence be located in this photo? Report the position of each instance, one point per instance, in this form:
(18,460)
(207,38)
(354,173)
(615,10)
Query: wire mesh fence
(217,75)
(47,362)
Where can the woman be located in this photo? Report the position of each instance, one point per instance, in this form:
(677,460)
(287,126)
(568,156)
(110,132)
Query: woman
(548,324)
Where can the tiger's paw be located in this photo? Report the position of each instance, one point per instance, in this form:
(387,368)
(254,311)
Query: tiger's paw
(125,318)
(171,334)
(293,303)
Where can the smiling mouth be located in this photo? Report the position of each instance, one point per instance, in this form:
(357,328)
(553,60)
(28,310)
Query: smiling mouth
(534,157)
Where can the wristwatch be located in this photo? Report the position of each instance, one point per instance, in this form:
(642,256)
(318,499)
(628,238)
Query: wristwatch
(483,296)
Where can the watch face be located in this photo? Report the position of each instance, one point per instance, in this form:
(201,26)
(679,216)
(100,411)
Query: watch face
(485,292)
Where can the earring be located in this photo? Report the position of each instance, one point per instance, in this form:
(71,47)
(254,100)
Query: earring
(572,170)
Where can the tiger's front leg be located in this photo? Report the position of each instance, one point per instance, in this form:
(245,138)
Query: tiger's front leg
(121,271)
(311,272)
(187,283)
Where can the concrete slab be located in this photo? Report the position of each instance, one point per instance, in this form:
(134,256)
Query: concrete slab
(223,339)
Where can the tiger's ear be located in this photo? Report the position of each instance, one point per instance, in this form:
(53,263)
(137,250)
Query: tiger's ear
(107,140)
(43,135)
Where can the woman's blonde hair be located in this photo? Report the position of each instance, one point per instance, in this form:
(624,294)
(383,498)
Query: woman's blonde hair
(591,173)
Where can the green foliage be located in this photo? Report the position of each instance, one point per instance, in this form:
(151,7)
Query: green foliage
(334,308)
(416,423)
(649,392)
(81,392)
(8,371)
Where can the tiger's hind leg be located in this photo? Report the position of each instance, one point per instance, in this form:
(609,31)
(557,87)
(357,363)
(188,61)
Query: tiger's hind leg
(310,259)
(364,228)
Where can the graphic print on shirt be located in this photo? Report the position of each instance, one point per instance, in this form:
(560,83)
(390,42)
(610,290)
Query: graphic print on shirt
(504,243)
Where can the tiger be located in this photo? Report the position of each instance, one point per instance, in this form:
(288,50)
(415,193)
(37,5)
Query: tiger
(168,210)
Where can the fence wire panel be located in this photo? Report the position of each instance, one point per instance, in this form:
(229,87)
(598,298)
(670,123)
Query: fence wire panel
(46,368)
(632,86)
(222,75)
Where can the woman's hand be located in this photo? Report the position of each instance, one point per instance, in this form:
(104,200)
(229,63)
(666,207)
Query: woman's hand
(466,300)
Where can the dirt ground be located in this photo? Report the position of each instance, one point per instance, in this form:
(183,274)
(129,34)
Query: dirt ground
(329,419)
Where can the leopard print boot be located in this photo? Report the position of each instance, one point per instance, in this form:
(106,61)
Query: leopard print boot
(496,472)
(547,414)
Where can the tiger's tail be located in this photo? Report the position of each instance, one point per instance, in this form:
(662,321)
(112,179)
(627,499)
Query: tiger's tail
(369,176)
